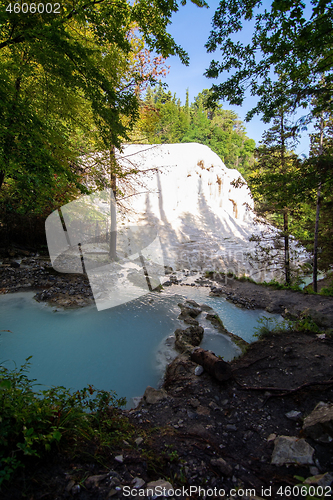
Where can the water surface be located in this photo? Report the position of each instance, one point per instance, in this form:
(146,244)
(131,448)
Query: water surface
(121,349)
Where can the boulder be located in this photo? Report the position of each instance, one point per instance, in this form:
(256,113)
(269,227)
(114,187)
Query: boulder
(155,488)
(152,396)
(319,424)
(292,450)
(188,338)
(188,310)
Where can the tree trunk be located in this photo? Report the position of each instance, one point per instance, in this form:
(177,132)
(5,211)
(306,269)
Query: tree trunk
(286,247)
(212,364)
(285,212)
(315,243)
(113,206)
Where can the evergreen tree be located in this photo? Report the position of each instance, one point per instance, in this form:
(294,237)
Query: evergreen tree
(272,181)
(164,120)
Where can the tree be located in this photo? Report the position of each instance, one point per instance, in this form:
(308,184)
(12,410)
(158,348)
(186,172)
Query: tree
(272,180)
(283,64)
(318,182)
(69,84)
(285,41)
(163,119)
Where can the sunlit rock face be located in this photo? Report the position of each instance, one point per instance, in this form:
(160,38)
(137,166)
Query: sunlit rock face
(202,209)
(179,208)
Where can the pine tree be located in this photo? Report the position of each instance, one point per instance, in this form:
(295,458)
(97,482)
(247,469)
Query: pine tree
(272,181)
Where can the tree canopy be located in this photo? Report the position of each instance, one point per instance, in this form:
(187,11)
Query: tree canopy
(287,42)
(164,120)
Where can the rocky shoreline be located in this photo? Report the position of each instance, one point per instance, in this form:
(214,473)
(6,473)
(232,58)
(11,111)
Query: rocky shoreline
(251,436)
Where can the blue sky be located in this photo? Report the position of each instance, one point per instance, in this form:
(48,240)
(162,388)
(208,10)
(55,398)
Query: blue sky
(190,28)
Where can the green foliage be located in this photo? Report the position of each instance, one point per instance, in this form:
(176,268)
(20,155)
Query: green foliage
(69,85)
(281,286)
(306,324)
(164,120)
(33,422)
(268,326)
(327,290)
(308,489)
(288,38)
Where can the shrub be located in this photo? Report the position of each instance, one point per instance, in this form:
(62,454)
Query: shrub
(267,326)
(32,422)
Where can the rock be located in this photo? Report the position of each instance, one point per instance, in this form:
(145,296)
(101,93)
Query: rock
(189,338)
(320,479)
(191,321)
(224,467)
(212,364)
(76,489)
(314,471)
(198,370)
(187,310)
(161,485)
(138,482)
(294,415)
(112,493)
(70,485)
(14,264)
(203,410)
(193,303)
(138,441)
(199,430)
(292,450)
(271,437)
(94,480)
(152,396)
(319,424)
(119,458)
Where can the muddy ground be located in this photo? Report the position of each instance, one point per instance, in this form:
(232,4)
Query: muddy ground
(200,432)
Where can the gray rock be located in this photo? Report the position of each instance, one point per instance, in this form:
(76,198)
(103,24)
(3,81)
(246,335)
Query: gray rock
(161,484)
(189,338)
(224,467)
(94,480)
(138,441)
(320,479)
(152,396)
(70,485)
(119,458)
(198,370)
(292,450)
(138,482)
(191,321)
(189,310)
(294,415)
(319,424)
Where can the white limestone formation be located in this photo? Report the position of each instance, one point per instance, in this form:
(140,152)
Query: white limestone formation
(203,210)
(181,209)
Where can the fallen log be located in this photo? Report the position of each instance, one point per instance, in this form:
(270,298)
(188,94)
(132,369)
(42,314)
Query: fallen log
(215,366)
